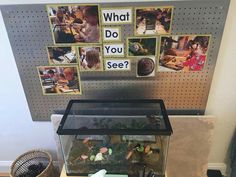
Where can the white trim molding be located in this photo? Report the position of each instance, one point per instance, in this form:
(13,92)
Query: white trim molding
(5,166)
(218,166)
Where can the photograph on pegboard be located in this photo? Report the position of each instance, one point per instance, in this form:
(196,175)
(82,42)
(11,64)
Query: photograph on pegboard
(59,80)
(90,58)
(146,66)
(183,52)
(61,55)
(74,24)
(141,46)
(153,20)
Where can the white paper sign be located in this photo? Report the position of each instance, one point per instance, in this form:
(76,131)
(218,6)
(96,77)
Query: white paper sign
(118,65)
(110,50)
(111,34)
(117,15)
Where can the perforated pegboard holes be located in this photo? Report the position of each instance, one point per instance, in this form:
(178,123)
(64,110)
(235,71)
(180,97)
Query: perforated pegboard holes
(29,33)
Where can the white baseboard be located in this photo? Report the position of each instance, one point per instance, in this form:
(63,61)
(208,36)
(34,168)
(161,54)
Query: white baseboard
(6,165)
(218,166)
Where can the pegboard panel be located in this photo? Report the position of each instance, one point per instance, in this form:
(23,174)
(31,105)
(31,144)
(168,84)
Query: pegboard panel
(183,92)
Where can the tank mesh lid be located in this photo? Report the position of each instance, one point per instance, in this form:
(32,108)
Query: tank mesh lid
(115,117)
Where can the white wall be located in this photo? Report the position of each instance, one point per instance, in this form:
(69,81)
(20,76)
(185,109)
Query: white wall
(222,98)
(18,133)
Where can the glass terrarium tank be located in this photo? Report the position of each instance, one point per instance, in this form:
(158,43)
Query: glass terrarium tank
(122,136)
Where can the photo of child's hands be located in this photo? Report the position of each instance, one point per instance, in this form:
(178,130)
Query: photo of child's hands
(66,87)
(180,64)
(78,38)
(77,27)
(83,64)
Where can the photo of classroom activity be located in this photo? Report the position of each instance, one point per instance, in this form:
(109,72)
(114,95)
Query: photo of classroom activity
(59,80)
(183,53)
(153,20)
(90,58)
(61,55)
(146,66)
(141,46)
(74,24)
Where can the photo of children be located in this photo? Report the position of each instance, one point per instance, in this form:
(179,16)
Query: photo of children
(61,55)
(90,58)
(153,20)
(59,80)
(183,52)
(74,24)
(141,46)
(146,66)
